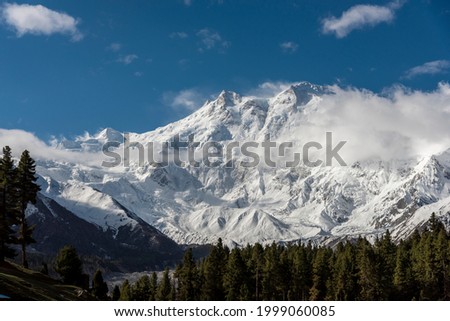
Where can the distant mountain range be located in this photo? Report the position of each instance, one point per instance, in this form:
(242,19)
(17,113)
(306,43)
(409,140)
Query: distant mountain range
(136,211)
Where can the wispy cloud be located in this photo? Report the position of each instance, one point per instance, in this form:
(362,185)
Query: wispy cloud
(114,47)
(187,2)
(179,35)
(127,59)
(39,20)
(429,68)
(269,89)
(210,39)
(289,46)
(358,17)
(185,100)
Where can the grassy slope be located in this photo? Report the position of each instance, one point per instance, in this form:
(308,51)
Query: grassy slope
(22,284)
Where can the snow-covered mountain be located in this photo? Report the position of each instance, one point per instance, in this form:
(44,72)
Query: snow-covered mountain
(198,204)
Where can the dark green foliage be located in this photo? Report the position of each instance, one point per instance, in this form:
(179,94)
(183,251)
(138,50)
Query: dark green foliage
(141,289)
(213,271)
(235,278)
(8,204)
(115,293)
(18,188)
(153,286)
(164,291)
(125,292)
(417,268)
(27,191)
(69,266)
(99,287)
(188,278)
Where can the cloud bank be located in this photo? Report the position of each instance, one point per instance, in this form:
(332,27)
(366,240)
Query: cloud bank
(396,125)
(39,20)
(401,124)
(358,17)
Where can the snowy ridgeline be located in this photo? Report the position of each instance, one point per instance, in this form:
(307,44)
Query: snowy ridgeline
(241,204)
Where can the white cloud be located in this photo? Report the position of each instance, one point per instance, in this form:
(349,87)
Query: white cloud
(19,140)
(179,34)
(289,46)
(211,39)
(429,68)
(185,100)
(39,20)
(115,46)
(399,124)
(128,59)
(187,2)
(269,89)
(358,17)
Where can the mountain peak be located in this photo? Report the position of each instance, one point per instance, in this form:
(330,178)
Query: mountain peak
(109,135)
(301,93)
(228,98)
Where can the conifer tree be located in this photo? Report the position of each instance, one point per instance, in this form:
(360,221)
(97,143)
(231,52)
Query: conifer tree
(141,289)
(69,266)
(403,281)
(8,204)
(320,274)
(164,290)
(188,278)
(235,276)
(386,259)
(125,291)
(27,191)
(115,293)
(367,271)
(344,273)
(153,286)
(213,273)
(99,286)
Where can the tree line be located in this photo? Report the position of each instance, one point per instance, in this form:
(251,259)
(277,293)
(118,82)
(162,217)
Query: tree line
(18,188)
(414,269)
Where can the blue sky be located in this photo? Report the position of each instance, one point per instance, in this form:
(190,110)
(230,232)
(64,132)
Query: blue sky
(71,66)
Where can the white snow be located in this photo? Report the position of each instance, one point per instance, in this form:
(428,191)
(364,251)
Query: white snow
(246,205)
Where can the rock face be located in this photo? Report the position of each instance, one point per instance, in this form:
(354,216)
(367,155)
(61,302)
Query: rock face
(198,204)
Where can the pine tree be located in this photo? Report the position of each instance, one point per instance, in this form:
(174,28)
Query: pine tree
(115,293)
(367,271)
(301,272)
(188,278)
(213,269)
(344,273)
(235,276)
(27,191)
(153,286)
(403,281)
(441,264)
(256,267)
(386,259)
(8,204)
(69,266)
(125,291)
(99,286)
(164,291)
(320,274)
(141,289)
(271,273)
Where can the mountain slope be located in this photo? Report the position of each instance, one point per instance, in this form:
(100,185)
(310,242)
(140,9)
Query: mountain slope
(198,204)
